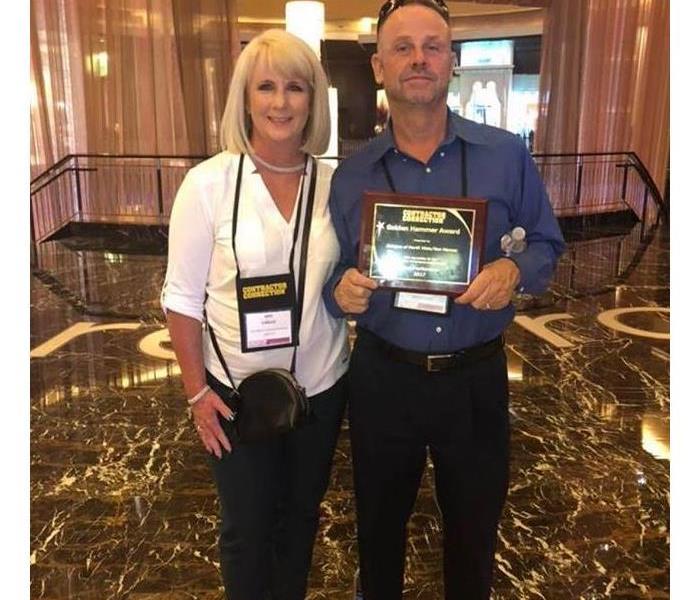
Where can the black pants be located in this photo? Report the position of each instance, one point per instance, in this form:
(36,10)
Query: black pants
(461,416)
(269,494)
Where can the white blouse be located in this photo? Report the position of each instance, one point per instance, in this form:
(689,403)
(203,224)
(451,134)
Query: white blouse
(201,265)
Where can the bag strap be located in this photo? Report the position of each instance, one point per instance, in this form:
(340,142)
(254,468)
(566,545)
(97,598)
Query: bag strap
(302,273)
(220,356)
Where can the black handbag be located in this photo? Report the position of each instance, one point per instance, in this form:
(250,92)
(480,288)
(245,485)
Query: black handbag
(270,402)
(266,404)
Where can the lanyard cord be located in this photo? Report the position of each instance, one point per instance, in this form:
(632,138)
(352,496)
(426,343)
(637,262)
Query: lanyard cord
(463,147)
(234,220)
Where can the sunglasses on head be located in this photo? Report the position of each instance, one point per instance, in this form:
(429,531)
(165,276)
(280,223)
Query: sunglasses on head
(390,6)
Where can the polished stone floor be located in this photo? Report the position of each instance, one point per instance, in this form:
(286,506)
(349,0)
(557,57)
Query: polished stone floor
(122,504)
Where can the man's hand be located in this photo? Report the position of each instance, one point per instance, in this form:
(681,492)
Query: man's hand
(353,291)
(493,287)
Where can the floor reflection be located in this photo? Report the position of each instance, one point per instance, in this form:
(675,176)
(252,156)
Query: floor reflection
(122,500)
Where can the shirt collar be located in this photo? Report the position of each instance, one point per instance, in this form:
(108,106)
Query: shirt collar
(457,127)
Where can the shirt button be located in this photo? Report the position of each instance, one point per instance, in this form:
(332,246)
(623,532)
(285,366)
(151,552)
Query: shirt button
(427,170)
(396,151)
(438,329)
(442,154)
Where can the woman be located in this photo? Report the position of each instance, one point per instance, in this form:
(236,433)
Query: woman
(276,117)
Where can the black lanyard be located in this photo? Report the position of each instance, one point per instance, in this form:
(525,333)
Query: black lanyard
(234,220)
(304,251)
(463,147)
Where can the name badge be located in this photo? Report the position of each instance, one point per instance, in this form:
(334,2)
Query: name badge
(266,309)
(438,304)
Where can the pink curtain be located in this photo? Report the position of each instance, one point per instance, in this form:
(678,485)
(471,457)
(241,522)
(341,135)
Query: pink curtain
(129,76)
(604,84)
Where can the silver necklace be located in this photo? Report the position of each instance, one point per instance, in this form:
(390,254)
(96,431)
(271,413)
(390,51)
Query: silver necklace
(275,168)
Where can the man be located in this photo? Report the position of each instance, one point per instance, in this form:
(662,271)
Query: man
(403,398)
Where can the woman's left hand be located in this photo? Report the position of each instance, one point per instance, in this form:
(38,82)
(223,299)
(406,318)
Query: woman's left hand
(205,414)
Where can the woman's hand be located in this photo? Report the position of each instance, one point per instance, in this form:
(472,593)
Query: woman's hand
(186,338)
(205,414)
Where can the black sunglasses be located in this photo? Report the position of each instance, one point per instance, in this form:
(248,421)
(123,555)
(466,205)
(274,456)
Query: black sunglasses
(390,6)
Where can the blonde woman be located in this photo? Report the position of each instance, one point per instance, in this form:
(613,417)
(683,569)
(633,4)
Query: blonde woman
(259,186)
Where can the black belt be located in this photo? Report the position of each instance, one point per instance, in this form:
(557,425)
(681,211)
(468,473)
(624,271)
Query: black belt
(435,362)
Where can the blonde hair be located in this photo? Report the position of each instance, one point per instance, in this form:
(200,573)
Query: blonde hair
(292,58)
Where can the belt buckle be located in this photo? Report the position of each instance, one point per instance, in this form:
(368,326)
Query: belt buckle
(431,359)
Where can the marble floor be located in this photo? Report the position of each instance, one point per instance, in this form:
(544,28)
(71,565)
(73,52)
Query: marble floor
(122,504)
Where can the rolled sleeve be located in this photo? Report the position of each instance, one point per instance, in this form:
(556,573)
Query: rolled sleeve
(190,246)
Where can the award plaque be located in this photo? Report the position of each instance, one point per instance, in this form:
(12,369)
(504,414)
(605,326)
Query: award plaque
(431,244)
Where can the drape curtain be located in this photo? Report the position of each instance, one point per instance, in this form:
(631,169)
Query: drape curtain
(129,76)
(605,80)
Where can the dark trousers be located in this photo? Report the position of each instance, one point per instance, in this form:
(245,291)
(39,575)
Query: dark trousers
(397,410)
(269,494)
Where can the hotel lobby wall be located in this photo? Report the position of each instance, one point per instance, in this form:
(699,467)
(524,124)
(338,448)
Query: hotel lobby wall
(605,80)
(119,79)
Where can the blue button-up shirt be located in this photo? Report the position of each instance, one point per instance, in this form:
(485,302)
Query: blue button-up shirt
(499,170)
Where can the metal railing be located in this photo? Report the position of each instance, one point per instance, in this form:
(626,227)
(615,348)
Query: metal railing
(600,182)
(140,189)
(100,188)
